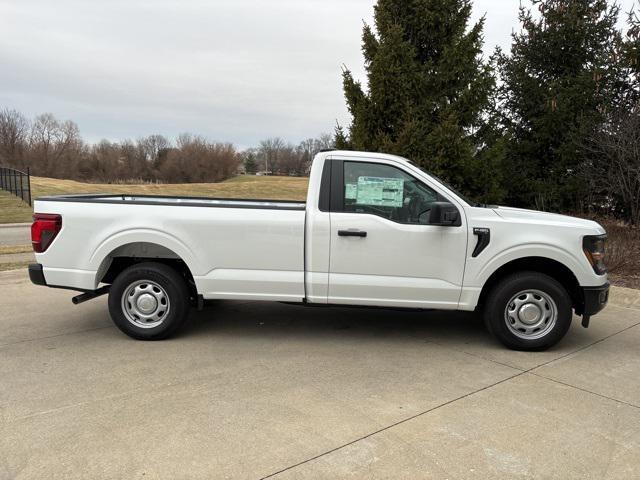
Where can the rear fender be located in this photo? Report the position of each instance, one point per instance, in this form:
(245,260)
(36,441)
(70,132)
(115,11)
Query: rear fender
(148,236)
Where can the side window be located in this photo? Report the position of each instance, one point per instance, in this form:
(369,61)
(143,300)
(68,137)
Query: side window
(386,191)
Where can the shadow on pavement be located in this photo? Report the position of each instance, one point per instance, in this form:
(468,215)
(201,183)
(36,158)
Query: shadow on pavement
(246,319)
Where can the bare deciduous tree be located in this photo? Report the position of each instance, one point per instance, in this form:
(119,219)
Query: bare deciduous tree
(14,129)
(281,158)
(152,148)
(270,151)
(613,166)
(51,140)
(54,148)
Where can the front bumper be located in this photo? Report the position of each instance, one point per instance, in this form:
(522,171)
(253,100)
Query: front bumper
(36,274)
(595,299)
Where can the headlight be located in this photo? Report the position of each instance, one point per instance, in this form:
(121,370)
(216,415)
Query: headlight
(593,246)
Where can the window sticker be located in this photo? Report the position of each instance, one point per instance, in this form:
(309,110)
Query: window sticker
(379,191)
(351,191)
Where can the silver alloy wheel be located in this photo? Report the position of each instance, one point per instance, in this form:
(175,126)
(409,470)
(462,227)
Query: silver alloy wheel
(145,304)
(531,314)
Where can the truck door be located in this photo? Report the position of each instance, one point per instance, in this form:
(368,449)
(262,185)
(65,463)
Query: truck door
(383,251)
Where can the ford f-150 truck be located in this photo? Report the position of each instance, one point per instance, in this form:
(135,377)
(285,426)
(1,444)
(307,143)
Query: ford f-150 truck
(376,230)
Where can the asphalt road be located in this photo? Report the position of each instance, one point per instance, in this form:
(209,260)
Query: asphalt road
(252,390)
(15,234)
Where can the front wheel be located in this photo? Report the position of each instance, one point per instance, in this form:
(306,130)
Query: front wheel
(528,311)
(149,301)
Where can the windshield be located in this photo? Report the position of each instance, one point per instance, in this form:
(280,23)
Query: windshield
(445,184)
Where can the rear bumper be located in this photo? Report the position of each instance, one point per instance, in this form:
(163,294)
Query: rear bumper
(595,299)
(36,274)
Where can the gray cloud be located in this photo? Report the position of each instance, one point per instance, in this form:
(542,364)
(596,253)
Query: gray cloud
(236,70)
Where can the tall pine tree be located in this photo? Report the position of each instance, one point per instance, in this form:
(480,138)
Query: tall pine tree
(631,60)
(563,74)
(428,91)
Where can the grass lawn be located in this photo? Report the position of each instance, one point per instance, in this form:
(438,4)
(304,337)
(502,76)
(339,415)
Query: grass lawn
(13,210)
(14,249)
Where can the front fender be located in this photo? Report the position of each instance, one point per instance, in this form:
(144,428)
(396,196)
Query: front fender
(578,266)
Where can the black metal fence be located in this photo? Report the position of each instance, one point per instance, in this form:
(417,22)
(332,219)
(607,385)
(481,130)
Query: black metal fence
(16,182)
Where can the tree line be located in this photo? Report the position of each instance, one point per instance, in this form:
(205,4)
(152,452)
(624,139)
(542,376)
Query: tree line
(552,124)
(53,148)
(276,156)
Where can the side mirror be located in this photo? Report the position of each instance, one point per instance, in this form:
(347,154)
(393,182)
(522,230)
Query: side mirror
(444,214)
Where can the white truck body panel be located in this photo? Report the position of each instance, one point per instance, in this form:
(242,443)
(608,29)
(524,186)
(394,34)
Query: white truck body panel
(532,234)
(241,253)
(381,273)
(288,251)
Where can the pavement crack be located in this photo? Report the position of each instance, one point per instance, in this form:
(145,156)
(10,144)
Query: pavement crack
(400,422)
(585,390)
(475,355)
(449,402)
(583,347)
(53,336)
(527,370)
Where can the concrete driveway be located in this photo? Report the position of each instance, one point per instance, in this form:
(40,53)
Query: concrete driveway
(254,390)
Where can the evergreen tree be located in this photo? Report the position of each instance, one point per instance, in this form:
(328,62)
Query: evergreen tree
(428,91)
(563,74)
(250,164)
(340,140)
(631,60)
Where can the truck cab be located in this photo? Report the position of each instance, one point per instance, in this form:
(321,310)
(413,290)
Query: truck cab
(376,230)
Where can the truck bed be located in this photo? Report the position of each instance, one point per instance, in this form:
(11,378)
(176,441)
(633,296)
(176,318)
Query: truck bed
(166,200)
(240,248)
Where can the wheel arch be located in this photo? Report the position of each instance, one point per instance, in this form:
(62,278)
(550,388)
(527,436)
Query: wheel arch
(132,253)
(547,266)
(140,243)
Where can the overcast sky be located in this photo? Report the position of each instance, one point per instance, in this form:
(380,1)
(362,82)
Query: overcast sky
(232,70)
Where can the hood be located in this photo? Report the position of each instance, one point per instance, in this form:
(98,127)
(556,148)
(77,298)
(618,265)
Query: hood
(546,218)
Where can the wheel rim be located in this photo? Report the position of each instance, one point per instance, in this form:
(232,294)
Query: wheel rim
(145,304)
(531,314)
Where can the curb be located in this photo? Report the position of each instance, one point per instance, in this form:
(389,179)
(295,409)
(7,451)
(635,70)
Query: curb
(625,297)
(14,225)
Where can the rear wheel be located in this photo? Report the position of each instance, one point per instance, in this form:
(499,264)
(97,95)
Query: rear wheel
(149,301)
(528,311)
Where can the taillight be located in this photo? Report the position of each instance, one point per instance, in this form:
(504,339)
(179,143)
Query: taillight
(44,229)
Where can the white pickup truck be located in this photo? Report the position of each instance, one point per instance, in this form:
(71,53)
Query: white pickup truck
(376,230)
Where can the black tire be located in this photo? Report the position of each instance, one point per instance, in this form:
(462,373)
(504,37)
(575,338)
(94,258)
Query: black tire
(496,318)
(173,291)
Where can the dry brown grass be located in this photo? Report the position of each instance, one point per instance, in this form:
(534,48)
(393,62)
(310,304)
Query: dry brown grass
(11,249)
(12,210)
(13,266)
(622,253)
